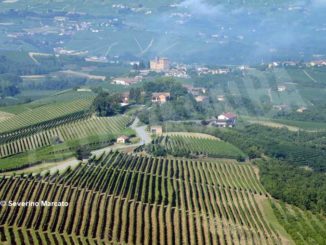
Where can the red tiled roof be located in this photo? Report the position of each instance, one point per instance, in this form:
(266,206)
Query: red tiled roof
(229,115)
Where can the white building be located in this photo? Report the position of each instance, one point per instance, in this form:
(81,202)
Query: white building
(226,120)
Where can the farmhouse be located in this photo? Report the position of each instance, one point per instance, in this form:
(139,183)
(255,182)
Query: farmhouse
(158,130)
(226,120)
(122,139)
(220,98)
(281,88)
(301,109)
(160,97)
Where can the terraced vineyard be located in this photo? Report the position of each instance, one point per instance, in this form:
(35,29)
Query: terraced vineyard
(83,128)
(198,146)
(125,198)
(44,114)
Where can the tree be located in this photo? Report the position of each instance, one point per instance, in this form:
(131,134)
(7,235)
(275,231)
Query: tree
(83,152)
(135,95)
(106,104)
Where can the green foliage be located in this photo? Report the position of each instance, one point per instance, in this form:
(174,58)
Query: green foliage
(316,113)
(135,94)
(9,85)
(301,187)
(165,85)
(289,178)
(300,149)
(304,227)
(55,83)
(20,63)
(83,152)
(156,150)
(106,105)
(180,108)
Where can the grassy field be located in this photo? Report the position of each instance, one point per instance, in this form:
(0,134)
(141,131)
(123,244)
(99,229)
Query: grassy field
(141,200)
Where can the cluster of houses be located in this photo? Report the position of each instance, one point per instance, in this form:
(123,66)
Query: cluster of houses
(313,63)
(206,71)
(317,63)
(158,97)
(127,81)
(199,93)
(179,72)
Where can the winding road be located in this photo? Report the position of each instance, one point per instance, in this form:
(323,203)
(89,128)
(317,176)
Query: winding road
(141,133)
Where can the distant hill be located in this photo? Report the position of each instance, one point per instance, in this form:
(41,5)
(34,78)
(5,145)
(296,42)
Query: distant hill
(223,32)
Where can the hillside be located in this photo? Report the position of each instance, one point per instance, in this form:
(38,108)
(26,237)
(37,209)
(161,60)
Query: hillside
(236,30)
(142,200)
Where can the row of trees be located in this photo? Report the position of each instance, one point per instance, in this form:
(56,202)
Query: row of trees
(55,83)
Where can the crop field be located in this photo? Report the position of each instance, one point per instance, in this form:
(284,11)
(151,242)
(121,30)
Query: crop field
(258,84)
(191,134)
(124,198)
(5,115)
(44,114)
(304,227)
(79,129)
(198,146)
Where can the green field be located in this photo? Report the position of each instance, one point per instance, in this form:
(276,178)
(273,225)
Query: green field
(141,200)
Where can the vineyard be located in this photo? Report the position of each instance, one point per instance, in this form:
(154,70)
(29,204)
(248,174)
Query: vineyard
(43,114)
(83,128)
(125,198)
(190,145)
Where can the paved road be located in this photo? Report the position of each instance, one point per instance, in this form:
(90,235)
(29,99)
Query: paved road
(140,132)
